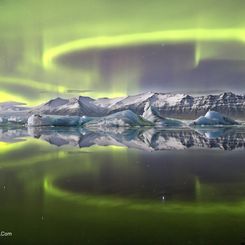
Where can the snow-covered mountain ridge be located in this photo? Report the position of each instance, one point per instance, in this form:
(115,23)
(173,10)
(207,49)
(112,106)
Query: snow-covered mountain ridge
(182,106)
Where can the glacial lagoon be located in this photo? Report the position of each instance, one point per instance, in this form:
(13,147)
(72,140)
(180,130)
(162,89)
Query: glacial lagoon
(134,186)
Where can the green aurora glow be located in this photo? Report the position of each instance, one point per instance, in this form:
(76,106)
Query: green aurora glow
(41,154)
(34,34)
(34,196)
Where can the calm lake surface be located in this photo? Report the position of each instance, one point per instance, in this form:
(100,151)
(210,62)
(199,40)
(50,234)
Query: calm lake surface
(114,194)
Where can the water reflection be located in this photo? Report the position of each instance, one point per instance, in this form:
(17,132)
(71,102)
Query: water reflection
(92,180)
(227,138)
(13,134)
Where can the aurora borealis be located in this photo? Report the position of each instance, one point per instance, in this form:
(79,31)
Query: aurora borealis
(85,192)
(113,48)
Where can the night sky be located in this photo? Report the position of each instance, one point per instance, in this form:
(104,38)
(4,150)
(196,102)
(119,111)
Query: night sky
(111,48)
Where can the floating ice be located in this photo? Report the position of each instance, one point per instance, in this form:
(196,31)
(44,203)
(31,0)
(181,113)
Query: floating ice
(214,118)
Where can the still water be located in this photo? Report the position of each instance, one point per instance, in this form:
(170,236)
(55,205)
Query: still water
(69,186)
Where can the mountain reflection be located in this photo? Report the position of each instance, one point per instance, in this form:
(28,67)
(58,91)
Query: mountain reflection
(146,139)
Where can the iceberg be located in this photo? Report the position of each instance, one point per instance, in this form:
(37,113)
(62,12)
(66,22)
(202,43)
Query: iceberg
(12,120)
(54,120)
(16,119)
(213,118)
(125,118)
(120,119)
(153,115)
